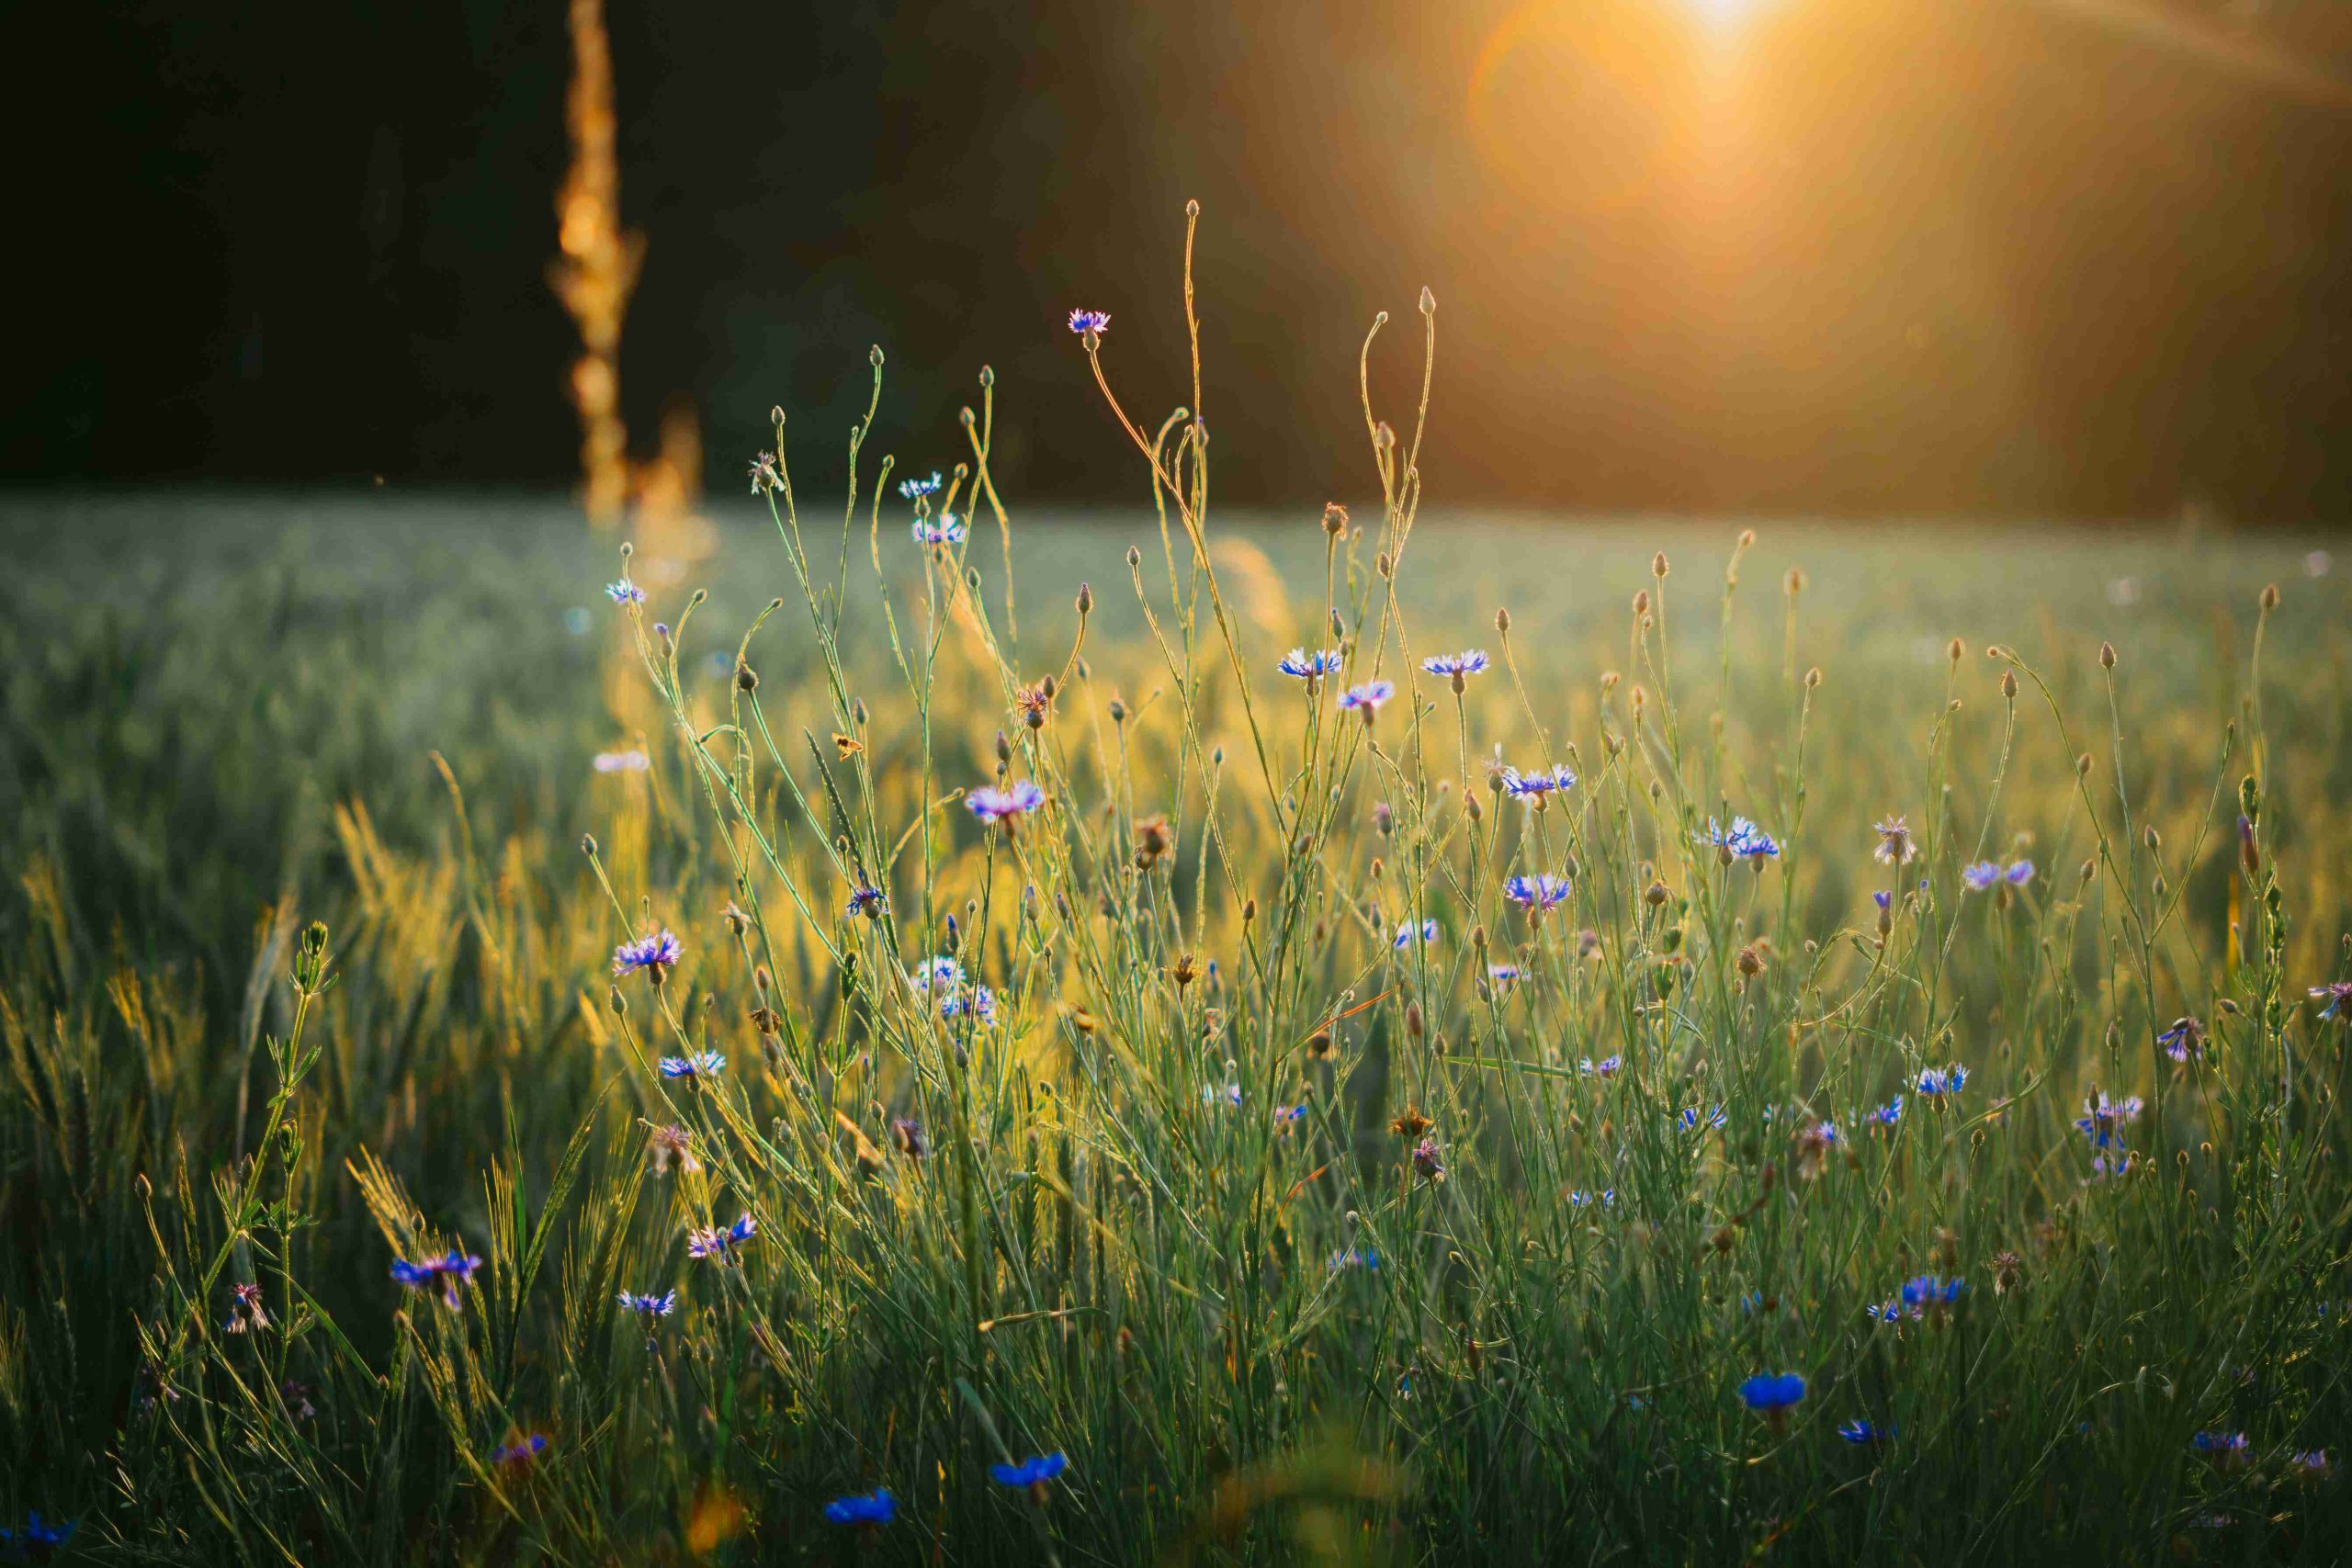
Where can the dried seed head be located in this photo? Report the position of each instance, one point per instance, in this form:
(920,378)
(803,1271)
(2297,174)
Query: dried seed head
(746,678)
(1335,518)
(1750,962)
(1409,1123)
(1642,602)
(1654,894)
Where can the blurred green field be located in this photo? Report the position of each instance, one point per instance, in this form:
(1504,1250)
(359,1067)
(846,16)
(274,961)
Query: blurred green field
(221,715)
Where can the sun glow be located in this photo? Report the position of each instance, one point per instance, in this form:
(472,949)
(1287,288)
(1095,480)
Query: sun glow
(1723,16)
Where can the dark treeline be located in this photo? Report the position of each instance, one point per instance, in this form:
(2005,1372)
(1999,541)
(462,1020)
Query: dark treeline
(2075,256)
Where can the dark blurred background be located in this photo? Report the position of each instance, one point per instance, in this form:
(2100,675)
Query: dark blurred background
(2075,257)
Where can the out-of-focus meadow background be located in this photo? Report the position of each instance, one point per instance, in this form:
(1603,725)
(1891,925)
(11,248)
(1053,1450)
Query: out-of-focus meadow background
(2015,330)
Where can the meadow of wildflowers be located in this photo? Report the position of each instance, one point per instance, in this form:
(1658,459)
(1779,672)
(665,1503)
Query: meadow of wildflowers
(1350,1037)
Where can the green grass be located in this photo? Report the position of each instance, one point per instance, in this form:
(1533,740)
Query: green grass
(221,716)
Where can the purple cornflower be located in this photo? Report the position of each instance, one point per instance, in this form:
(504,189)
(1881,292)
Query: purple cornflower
(1886,1115)
(453,1269)
(974,1002)
(1459,667)
(1535,785)
(2184,1041)
(1691,1119)
(916,489)
(2020,872)
(763,473)
(1894,845)
(1935,1083)
(2337,993)
(701,1065)
(629,762)
(1861,1434)
(1607,1067)
(1536,894)
(874,1508)
(948,530)
(1412,932)
(1430,1160)
(1310,667)
(245,1312)
(625,592)
(521,1451)
(2103,1119)
(1742,840)
(709,1241)
(1366,699)
(992,805)
(656,954)
(868,901)
(1985,873)
(1883,899)
(1090,323)
(2310,1464)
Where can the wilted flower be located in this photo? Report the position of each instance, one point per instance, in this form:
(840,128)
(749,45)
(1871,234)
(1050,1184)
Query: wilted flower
(1607,1067)
(245,1312)
(2008,1269)
(1429,1160)
(1894,844)
(672,1142)
(874,1508)
(707,1241)
(700,1065)
(2184,1041)
(1813,1144)
(907,1134)
(656,954)
(764,476)
(992,805)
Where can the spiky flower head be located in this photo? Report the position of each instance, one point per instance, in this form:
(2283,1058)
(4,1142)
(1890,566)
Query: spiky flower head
(657,954)
(1310,667)
(1895,846)
(991,804)
(1090,323)
(698,1064)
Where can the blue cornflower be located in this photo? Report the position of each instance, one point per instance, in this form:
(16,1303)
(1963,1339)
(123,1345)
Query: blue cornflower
(2336,993)
(1937,1082)
(1228,1095)
(1895,846)
(2184,1041)
(1772,1394)
(2020,872)
(1032,1473)
(1285,1114)
(708,1241)
(948,530)
(36,1541)
(453,1269)
(942,974)
(1355,1258)
(521,1451)
(1932,1292)
(1535,785)
(971,1001)
(625,592)
(1310,667)
(1886,1115)
(2220,1446)
(1411,931)
(650,1306)
(1742,840)
(701,1065)
(1691,1118)
(1505,973)
(992,805)
(1538,893)
(1607,1067)
(874,1508)
(1892,1311)
(1090,323)
(1883,899)
(1861,1434)
(1580,1199)
(656,954)
(868,901)
(1460,665)
(1985,873)
(2309,1464)
(1366,699)
(2103,1119)
(916,489)
(631,760)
